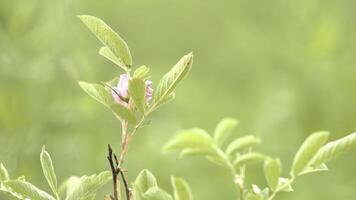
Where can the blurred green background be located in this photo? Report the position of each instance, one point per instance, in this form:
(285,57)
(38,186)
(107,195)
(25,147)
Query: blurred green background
(283,68)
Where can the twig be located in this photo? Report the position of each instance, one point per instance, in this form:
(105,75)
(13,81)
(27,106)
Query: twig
(113,171)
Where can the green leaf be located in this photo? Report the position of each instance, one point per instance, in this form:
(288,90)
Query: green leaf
(164,101)
(333,149)
(4,175)
(48,171)
(102,95)
(87,185)
(253,196)
(181,189)
(224,129)
(192,138)
(307,151)
(284,185)
(123,113)
(248,158)
(97,92)
(272,170)
(312,169)
(137,91)
(27,190)
(109,38)
(196,152)
(156,193)
(107,53)
(142,72)
(145,180)
(171,79)
(242,143)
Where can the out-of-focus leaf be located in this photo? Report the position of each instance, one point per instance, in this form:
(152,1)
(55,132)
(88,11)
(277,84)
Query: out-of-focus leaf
(109,38)
(192,138)
(181,189)
(272,170)
(4,175)
(242,143)
(224,129)
(307,151)
(27,190)
(156,193)
(284,185)
(145,180)
(333,149)
(48,171)
(248,158)
(88,185)
(312,169)
(142,72)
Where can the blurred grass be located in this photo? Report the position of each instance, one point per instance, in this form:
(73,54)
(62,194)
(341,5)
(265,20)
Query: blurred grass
(283,68)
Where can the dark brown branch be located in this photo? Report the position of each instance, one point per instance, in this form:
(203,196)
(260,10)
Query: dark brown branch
(116,170)
(113,171)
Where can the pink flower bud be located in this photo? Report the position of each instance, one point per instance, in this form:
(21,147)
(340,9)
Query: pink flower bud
(120,94)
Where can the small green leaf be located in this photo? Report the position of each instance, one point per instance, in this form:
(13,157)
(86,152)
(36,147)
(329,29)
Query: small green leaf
(97,92)
(123,113)
(181,189)
(4,175)
(156,193)
(196,152)
(307,151)
(312,169)
(27,190)
(142,72)
(48,171)
(171,79)
(333,149)
(272,170)
(87,185)
(109,38)
(145,180)
(284,185)
(137,91)
(192,138)
(242,143)
(248,158)
(224,129)
(107,53)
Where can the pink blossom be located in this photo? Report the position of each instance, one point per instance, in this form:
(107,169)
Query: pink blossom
(120,94)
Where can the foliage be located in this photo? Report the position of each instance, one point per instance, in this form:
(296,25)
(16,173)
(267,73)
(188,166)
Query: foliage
(239,154)
(83,188)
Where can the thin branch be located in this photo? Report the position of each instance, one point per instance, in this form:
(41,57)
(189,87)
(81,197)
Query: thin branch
(127,188)
(113,171)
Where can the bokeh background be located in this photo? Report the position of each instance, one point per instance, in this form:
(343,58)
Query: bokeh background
(283,68)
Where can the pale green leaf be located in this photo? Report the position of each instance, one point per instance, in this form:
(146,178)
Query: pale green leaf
(88,185)
(192,138)
(107,53)
(307,151)
(170,80)
(123,113)
(242,143)
(4,175)
(145,180)
(181,189)
(109,38)
(156,193)
(333,149)
(142,72)
(272,170)
(137,91)
(48,171)
(284,185)
(248,158)
(224,129)
(196,152)
(98,92)
(27,190)
(312,169)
